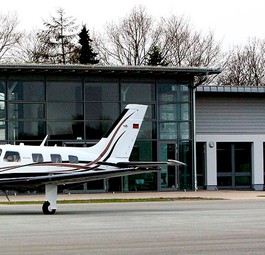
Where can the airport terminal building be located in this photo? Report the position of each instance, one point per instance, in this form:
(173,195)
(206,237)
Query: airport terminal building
(217,131)
(76,104)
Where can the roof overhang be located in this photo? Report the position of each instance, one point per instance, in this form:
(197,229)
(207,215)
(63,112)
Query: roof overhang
(114,70)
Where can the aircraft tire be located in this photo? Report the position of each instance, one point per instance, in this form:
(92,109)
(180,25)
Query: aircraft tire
(46,209)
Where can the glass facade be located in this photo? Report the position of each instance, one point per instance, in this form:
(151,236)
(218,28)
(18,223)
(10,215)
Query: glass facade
(234,167)
(81,109)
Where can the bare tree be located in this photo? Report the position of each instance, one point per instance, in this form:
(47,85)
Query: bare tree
(245,65)
(9,37)
(174,36)
(59,38)
(129,41)
(30,49)
(186,47)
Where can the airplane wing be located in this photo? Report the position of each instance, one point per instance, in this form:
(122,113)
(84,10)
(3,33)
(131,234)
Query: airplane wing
(147,164)
(81,174)
(69,178)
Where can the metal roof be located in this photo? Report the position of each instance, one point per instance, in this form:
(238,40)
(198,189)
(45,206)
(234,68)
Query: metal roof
(97,69)
(230,89)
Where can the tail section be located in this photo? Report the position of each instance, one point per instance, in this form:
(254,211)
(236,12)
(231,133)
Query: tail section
(118,142)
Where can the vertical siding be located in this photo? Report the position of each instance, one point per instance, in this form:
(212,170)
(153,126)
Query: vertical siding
(227,114)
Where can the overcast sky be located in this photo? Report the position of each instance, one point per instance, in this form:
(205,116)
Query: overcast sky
(233,21)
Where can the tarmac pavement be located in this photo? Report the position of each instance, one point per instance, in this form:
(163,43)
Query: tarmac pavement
(201,227)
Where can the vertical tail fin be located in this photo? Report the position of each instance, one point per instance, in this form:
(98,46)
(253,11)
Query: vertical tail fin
(118,142)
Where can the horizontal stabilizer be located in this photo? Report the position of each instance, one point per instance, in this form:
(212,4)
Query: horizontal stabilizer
(170,162)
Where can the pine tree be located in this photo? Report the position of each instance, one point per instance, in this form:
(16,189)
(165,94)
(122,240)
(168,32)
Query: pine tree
(58,39)
(86,54)
(155,57)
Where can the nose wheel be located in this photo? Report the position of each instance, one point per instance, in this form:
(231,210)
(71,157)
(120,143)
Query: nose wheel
(46,208)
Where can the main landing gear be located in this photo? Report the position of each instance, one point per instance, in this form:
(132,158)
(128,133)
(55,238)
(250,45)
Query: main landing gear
(50,206)
(47,209)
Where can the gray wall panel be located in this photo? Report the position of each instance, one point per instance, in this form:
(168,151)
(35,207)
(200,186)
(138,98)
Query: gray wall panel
(227,114)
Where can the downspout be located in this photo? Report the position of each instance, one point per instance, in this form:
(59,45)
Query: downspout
(194,161)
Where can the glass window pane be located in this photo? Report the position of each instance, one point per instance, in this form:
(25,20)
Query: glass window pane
(65,130)
(184,93)
(102,111)
(2,111)
(102,92)
(243,157)
(26,111)
(12,156)
(243,180)
(224,181)
(201,157)
(168,92)
(224,159)
(36,157)
(168,112)
(185,111)
(137,92)
(168,173)
(2,130)
(26,90)
(97,129)
(64,91)
(2,90)
(184,130)
(56,158)
(26,130)
(168,130)
(65,111)
(73,159)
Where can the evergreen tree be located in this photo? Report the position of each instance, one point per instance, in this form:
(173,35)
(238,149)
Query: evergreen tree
(155,57)
(86,54)
(58,39)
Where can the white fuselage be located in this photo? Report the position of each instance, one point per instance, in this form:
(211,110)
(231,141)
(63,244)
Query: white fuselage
(41,159)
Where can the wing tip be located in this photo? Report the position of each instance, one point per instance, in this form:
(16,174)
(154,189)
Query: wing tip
(173,162)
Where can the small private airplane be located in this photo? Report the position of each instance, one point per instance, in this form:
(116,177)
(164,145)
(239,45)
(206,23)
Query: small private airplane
(25,167)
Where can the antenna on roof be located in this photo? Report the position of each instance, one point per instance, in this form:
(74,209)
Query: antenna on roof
(44,140)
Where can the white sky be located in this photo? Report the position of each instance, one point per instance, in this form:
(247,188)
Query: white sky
(233,21)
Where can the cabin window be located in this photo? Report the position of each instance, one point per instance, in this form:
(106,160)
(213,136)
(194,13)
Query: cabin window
(0,152)
(12,156)
(36,157)
(73,159)
(56,158)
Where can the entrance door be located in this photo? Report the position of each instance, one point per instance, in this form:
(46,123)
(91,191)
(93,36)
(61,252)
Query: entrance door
(169,174)
(234,165)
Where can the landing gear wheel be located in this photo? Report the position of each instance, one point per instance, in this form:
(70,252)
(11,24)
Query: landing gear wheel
(46,208)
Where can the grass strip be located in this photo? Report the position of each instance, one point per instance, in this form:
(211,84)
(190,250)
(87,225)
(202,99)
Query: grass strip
(114,200)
